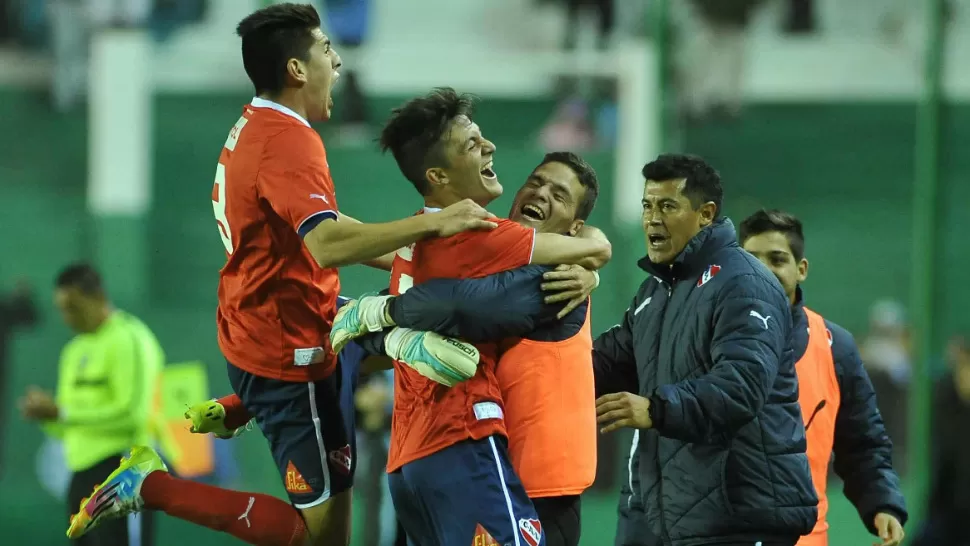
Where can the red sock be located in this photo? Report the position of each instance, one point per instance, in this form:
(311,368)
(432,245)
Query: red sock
(236,413)
(257,519)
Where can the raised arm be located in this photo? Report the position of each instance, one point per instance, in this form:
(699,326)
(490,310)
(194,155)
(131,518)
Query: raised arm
(752,326)
(590,249)
(298,187)
(384,262)
(334,243)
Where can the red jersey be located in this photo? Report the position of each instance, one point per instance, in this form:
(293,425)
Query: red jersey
(429,417)
(276,305)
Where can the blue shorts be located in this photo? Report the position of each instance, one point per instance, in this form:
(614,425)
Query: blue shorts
(454,496)
(309,427)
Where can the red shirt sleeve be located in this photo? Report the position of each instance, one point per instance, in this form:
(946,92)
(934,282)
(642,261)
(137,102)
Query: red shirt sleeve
(294,178)
(506,247)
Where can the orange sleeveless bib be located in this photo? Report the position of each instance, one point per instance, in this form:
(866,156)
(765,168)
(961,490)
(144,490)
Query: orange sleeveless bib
(819,396)
(550,413)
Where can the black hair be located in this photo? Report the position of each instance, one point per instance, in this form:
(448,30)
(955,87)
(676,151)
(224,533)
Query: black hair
(82,276)
(586,175)
(271,37)
(415,131)
(783,222)
(703,182)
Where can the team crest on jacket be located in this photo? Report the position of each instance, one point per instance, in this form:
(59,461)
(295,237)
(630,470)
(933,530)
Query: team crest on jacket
(708,275)
(531,531)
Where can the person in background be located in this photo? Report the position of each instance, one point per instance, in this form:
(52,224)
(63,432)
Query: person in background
(886,353)
(17,310)
(949,495)
(347,26)
(836,397)
(571,127)
(800,17)
(714,74)
(73,23)
(373,400)
(105,388)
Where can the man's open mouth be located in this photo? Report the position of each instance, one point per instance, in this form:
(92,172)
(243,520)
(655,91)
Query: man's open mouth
(487,172)
(657,239)
(533,212)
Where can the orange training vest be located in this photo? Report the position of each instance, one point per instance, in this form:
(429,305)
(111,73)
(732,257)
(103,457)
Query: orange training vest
(550,413)
(819,396)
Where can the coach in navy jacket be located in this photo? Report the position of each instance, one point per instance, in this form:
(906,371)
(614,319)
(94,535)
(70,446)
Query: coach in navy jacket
(706,348)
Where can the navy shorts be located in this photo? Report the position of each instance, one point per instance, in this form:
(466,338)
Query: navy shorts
(457,495)
(309,427)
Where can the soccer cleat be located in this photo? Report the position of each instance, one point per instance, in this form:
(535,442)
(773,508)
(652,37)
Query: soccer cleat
(359,317)
(441,359)
(120,494)
(210,417)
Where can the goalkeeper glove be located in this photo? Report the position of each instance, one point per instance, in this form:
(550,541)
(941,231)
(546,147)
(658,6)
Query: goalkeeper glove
(358,317)
(441,359)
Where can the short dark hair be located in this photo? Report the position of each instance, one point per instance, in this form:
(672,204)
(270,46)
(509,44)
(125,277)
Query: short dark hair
(586,175)
(82,276)
(271,37)
(783,222)
(414,131)
(703,182)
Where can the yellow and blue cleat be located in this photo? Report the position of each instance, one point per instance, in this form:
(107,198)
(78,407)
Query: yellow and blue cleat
(120,494)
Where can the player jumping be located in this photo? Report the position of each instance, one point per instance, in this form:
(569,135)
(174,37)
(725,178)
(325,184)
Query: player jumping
(277,215)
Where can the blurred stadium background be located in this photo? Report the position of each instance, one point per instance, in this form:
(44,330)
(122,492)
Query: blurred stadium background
(852,115)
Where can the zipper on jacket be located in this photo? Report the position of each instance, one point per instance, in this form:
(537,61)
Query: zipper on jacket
(818,408)
(664,534)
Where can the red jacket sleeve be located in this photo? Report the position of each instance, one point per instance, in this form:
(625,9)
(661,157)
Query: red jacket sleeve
(294,179)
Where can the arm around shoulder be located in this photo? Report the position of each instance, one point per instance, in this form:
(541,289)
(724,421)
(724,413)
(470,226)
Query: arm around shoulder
(590,249)
(334,243)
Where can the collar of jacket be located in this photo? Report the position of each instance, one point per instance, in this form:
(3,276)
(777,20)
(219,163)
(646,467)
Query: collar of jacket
(696,255)
(798,308)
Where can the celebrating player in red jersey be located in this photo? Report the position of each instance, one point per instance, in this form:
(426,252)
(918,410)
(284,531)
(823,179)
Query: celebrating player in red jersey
(450,474)
(277,214)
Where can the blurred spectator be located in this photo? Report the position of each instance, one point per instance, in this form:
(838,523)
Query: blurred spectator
(714,73)
(347,26)
(16,310)
(72,24)
(106,382)
(886,353)
(949,495)
(374,401)
(799,16)
(570,127)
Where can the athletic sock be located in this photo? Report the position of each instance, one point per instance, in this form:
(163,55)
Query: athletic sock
(254,518)
(236,413)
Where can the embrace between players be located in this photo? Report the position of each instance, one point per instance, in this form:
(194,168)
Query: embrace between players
(486,322)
